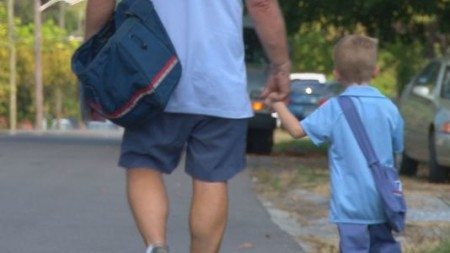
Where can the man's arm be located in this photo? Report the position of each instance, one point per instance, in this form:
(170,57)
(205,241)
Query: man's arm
(288,120)
(97,14)
(269,25)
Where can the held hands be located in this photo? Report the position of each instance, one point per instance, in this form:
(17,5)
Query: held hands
(288,120)
(273,104)
(277,86)
(276,101)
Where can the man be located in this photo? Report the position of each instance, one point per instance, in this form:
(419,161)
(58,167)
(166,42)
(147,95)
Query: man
(206,116)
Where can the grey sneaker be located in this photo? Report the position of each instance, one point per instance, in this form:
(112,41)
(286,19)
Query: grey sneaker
(160,249)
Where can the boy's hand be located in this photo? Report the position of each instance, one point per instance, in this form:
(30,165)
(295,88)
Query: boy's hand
(276,106)
(288,120)
(268,102)
(271,103)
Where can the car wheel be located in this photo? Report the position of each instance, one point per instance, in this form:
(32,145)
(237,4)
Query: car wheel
(408,166)
(437,173)
(259,141)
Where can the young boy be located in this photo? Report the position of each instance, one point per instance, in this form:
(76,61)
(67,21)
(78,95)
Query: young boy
(355,203)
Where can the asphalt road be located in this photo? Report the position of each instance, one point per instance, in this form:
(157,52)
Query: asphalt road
(66,194)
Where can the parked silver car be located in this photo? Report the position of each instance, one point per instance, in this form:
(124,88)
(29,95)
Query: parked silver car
(425,107)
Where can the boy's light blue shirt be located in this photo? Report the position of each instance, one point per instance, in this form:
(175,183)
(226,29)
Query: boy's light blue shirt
(354,198)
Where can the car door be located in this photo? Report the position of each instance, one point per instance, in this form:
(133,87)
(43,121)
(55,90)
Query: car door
(418,109)
(442,121)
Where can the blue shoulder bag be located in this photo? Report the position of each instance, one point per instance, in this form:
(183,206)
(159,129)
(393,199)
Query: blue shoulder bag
(386,178)
(128,70)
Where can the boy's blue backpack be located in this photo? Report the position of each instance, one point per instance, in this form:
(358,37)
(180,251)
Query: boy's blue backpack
(129,69)
(386,178)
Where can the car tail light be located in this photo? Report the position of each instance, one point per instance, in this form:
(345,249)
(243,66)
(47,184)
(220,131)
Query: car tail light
(446,127)
(257,105)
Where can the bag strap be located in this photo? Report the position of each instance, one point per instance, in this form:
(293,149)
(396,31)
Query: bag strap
(360,133)
(146,12)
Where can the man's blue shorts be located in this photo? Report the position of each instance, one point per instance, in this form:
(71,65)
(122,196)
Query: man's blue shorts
(215,147)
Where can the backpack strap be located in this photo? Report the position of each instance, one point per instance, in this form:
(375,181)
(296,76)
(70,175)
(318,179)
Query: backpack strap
(355,122)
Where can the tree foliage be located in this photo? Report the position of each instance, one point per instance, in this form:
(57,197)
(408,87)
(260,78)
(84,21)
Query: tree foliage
(4,56)
(409,31)
(57,50)
(72,15)
(405,20)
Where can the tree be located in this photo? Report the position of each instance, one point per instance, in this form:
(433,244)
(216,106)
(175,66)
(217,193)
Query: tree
(57,51)
(407,21)
(72,15)
(409,32)
(4,67)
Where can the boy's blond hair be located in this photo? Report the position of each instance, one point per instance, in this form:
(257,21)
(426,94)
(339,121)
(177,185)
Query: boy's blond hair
(355,58)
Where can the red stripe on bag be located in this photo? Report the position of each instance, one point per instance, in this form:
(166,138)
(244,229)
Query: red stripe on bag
(140,93)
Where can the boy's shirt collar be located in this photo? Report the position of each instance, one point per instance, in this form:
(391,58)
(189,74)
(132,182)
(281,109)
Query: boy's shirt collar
(362,90)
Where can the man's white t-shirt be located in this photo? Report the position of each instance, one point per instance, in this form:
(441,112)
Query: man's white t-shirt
(208,38)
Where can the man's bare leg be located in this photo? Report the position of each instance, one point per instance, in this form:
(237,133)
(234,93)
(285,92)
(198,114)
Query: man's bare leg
(208,216)
(148,201)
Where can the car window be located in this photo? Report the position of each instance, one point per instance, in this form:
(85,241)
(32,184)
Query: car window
(446,84)
(307,87)
(254,52)
(428,77)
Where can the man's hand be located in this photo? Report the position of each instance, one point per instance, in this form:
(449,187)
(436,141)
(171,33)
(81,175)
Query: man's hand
(278,83)
(271,104)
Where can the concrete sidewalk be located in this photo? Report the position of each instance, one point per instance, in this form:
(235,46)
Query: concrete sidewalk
(66,194)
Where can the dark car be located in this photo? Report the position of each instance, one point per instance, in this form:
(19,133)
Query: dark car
(262,125)
(305,97)
(425,107)
(308,94)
